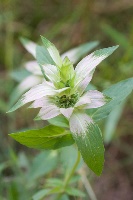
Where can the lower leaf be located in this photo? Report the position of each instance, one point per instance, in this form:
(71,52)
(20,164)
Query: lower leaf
(90,145)
(49,137)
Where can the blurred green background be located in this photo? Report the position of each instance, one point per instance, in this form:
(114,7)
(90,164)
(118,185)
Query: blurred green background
(67,24)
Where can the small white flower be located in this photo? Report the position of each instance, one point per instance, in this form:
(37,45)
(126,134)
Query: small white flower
(64,93)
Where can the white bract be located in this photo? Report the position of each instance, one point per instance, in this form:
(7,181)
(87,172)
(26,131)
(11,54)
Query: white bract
(36,75)
(64,90)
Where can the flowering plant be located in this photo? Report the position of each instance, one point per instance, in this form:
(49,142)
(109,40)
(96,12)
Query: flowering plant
(64,96)
(30,72)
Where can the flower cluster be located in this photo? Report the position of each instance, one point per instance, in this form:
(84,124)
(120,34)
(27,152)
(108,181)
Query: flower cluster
(63,92)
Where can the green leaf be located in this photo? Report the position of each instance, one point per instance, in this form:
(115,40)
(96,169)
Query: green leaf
(78,52)
(75,192)
(118,92)
(64,197)
(49,137)
(20,74)
(90,145)
(105,52)
(43,56)
(52,182)
(112,122)
(42,164)
(29,45)
(52,51)
(56,190)
(59,121)
(90,87)
(41,194)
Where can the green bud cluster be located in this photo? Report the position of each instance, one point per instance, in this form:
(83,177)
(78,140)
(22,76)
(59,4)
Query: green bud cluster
(67,84)
(66,101)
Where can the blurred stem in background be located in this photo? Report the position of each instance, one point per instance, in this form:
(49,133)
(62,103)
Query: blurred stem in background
(9,44)
(9,34)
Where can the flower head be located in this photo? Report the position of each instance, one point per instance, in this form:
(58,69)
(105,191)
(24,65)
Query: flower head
(35,76)
(64,90)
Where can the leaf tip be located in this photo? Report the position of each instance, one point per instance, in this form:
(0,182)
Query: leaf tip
(37,118)
(46,42)
(12,135)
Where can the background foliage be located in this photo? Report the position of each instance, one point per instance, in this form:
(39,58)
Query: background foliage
(67,24)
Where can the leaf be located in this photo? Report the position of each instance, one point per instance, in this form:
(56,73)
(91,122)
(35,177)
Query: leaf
(52,182)
(90,87)
(75,192)
(78,52)
(23,86)
(49,137)
(45,192)
(20,74)
(90,145)
(112,122)
(64,197)
(118,92)
(41,194)
(56,190)
(59,121)
(36,92)
(29,45)
(52,51)
(86,67)
(105,52)
(42,164)
(43,56)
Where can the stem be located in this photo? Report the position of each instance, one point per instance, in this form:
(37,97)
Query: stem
(72,171)
(87,184)
(67,179)
(59,196)
(88,187)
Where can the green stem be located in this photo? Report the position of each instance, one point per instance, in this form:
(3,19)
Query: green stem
(72,171)
(59,196)
(67,179)
(88,187)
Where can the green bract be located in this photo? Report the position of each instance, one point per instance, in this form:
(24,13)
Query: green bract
(62,95)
